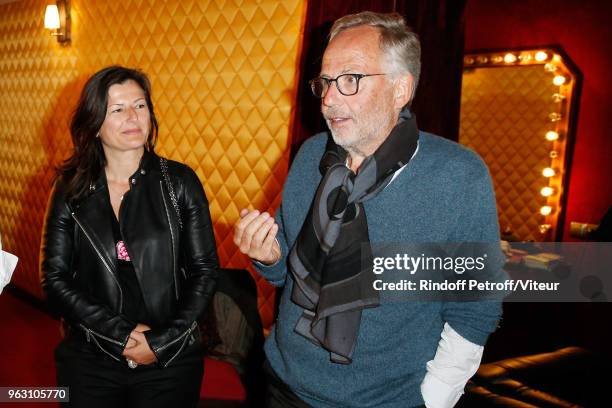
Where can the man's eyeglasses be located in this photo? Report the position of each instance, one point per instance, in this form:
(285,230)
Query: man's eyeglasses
(347,84)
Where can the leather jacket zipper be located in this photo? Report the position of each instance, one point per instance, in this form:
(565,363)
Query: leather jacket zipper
(184,335)
(93,332)
(91,335)
(102,259)
(177,353)
(193,326)
(176,286)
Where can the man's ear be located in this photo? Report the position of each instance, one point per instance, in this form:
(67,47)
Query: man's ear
(404,87)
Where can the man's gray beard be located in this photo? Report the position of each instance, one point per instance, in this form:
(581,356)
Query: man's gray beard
(353,151)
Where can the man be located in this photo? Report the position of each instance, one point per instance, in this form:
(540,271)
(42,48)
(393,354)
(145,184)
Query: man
(376,178)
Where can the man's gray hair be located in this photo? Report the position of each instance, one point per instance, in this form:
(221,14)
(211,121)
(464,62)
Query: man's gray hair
(399,43)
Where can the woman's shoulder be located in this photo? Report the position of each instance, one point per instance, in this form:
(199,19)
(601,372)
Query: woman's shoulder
(173,167)
(176,167)
(180,173)
(58,197)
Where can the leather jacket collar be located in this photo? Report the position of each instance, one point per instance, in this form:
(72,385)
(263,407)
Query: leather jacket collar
(148,162)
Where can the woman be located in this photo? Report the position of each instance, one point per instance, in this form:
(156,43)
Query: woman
(129,256)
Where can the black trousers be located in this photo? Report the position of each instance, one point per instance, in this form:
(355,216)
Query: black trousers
(96,380)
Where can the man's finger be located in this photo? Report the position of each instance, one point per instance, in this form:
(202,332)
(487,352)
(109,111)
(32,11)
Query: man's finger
(270,242)
(243,224)
(257,241)
(250,230)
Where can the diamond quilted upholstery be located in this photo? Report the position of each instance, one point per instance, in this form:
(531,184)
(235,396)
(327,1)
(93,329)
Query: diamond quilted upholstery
(504,117)
(223,76)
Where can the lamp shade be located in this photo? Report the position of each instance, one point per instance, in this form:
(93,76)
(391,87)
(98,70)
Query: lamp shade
(52,20)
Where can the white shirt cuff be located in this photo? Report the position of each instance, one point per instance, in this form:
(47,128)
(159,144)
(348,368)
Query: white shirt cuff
(8,262)
(455,362)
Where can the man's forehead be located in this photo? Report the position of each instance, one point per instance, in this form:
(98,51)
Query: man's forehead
(365,31)
(354,47)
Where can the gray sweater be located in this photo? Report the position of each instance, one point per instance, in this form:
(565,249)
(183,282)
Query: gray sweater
(443,195)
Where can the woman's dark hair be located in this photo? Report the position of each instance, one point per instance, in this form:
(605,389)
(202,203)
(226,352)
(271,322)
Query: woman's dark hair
(83,167)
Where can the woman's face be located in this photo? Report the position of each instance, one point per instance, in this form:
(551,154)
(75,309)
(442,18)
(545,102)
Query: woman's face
(127,123)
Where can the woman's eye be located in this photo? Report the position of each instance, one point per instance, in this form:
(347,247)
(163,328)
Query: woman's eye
(116,110)
(141,106)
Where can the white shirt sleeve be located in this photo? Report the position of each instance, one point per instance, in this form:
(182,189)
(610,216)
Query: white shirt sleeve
(8,262)
(455,362)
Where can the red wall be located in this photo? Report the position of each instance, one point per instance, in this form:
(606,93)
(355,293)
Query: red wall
(583,30)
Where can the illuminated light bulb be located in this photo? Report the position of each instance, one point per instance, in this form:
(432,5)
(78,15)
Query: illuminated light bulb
(553,154)
(468,60)
(555,117)
(550,67)
(551,135)
(52,20)
(546,210)
(557,97)
(496,59)
(559,80)
(544,228)
(509,58)
(547,191)
(541,56)
(548,172)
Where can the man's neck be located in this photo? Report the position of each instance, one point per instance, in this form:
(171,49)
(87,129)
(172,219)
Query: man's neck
(356,156)
(353,162)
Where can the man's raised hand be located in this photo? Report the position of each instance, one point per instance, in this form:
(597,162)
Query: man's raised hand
(255,236)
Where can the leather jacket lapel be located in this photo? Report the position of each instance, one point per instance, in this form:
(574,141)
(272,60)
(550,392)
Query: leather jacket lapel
(93,215)
(146,234)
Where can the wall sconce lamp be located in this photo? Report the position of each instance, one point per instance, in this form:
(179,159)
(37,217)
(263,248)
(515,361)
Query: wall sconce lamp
(57,18)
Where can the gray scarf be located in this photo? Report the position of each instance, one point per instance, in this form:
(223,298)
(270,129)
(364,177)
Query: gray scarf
(331,259)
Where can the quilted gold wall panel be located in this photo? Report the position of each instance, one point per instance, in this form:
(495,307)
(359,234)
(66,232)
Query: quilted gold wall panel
(223,76)
(504,117)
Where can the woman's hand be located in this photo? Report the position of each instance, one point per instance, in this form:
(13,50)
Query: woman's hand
(137,347)
(141,327)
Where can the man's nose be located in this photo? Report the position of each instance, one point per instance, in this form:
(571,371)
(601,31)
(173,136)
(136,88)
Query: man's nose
(332,95)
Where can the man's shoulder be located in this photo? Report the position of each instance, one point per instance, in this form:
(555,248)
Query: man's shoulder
(310,153)
(304,169)
(314,145)
(445,153)
(442,147)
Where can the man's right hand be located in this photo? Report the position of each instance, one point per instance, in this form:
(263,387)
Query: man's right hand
(255,236)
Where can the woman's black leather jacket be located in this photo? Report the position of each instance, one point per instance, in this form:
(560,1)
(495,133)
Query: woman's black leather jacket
(176,267)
